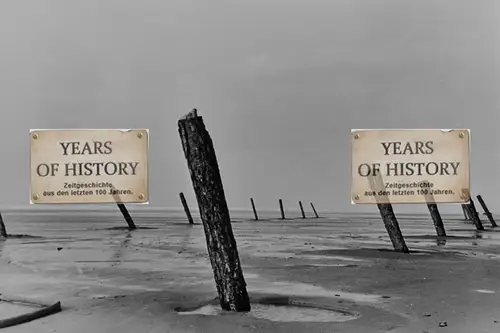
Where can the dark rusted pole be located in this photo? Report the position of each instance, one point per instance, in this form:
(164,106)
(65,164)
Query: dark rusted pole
(314,210)
(281,209)
(487,211)
(3,230)
(186,208)
(256,217)
(214,212)
(475,215)
(126,216)
(302,210)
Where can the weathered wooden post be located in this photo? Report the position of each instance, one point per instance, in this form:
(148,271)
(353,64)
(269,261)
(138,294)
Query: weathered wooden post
(124,211)
(302,210)
(487,211)
(207,183)
(3,230)
(392,227)
(186,208)
(314,210)
(256,217)
(126,216)
(466,211)
(280,201)
(436,216)
(475,215)
(390,221)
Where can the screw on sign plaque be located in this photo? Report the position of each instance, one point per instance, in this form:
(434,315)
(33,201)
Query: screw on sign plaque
(410,166)
(89,166)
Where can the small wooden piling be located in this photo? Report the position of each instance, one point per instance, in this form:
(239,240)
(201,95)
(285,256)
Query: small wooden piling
(392,227)
(3,230)
(436,216)
(126,216)
(314,210)
(388,217)
(186,208)
(255,216)
(280,201)
(475,215)
(487,211)
(302,210)
(207,183)
(123,210)
(466,211)
(436,219)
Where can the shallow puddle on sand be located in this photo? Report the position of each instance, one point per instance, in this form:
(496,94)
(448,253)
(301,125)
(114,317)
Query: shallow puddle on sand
(257,283)
(321,265)
(323,257)
(483,291)
(288,313)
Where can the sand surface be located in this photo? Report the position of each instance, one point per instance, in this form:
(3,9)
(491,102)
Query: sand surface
(112,280)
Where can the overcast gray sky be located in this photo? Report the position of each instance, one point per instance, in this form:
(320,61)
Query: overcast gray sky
(279,84)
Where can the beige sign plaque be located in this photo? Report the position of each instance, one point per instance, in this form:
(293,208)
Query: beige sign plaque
(410,166)
(89,166)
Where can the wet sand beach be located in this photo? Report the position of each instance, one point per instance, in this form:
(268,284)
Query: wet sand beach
(109,279)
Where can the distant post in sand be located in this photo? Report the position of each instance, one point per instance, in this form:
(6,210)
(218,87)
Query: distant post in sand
(302,210)
(475,215)
(434,210)
(314,210)
(390,221)
(207,183)
(126,216)
(3,230)
(467,213)
(124,211)
(392,227)
(256,217)
(186,208)
(487,212)
(436,218)
(280,201)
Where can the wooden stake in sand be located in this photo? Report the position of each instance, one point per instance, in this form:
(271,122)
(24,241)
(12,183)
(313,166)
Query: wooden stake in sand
(126,216)
(302,210)
(390,221)
(467,214)
(256,217)
(186,208)
(475,215)
(214,212)
(436,217)
(314,210)
(124,211)
(3,230)
(280,201)
(392,227)
(487,211)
